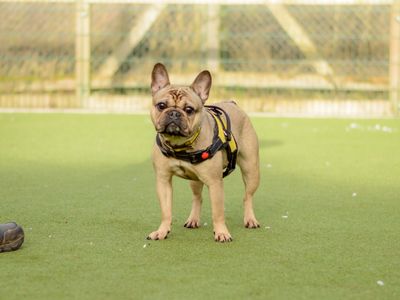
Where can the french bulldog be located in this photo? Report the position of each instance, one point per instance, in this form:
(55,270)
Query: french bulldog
(187,132)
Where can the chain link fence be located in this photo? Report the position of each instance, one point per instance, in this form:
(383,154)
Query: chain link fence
(328,58)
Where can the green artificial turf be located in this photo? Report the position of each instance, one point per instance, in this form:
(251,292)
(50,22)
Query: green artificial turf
(82,186)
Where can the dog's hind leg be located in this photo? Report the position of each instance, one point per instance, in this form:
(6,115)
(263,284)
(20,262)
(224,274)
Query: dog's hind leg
(251,178)
(194,218)
(248,161)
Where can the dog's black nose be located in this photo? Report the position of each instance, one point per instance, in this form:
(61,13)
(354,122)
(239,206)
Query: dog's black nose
(174,115)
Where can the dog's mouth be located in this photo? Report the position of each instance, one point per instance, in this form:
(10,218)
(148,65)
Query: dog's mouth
(173,129)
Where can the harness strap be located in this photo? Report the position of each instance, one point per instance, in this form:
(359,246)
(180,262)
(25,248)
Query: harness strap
(223,139)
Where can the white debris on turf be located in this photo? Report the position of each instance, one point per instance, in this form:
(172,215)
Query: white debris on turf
(267,227)
(376,127)
(353,126)
(269,166)
(145,245)
(50,236)
(386,129)
(285,216)
(354,194)
(205,224)
(380,283)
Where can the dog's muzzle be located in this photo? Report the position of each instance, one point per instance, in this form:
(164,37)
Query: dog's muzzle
(173,123)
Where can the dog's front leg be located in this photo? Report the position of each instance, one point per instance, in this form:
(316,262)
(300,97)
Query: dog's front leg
(164,193)
(216,190)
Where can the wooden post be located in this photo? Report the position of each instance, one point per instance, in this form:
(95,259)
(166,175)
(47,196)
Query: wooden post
(394,67)
(299,36)
(135,35)
(213,23)
(82,52)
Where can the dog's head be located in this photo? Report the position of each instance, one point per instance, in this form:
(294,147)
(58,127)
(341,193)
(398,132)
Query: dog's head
(176,111)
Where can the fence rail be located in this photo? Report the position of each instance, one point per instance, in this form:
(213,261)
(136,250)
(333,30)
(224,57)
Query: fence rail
(319,57)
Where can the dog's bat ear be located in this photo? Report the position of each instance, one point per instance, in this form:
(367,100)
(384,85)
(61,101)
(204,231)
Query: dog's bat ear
(202,84)
(159,78)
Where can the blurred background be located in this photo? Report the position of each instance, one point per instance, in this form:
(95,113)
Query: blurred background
(301,58)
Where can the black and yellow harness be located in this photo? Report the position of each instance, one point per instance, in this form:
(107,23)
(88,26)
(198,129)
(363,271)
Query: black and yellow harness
(223,140)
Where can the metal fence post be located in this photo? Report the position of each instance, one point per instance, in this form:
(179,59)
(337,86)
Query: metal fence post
(82,52)
(394,72)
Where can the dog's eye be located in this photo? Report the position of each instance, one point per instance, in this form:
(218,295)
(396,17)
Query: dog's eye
(161,106)
(189,110)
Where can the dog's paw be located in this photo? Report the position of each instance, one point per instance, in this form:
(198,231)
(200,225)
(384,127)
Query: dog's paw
(222,237)
(221,233)
(158,235)
(251,223)
(192,223)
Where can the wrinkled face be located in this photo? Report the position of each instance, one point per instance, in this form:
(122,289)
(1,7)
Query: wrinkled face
(176,111)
